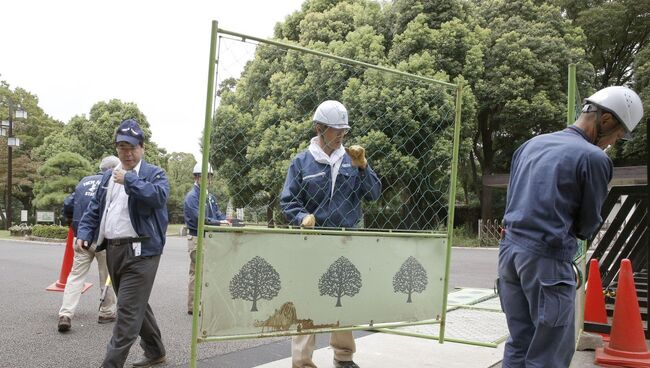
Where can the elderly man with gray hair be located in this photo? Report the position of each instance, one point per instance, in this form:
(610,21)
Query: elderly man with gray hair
(73,208)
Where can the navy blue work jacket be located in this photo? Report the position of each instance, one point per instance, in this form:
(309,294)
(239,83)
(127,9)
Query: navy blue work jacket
(308,190)
(558,183)
(148,192)
(191,210)
(75,204)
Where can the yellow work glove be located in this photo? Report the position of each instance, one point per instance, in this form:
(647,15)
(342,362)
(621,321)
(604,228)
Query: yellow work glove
(358,156)
(309,221)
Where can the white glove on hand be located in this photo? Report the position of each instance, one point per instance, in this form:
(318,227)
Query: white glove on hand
(358,156)
(309,221)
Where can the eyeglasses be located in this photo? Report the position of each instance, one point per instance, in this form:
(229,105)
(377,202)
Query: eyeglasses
(338,132)
(125,147)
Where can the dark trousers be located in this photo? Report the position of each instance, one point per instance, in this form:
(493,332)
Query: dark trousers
(132,279)
(538,296)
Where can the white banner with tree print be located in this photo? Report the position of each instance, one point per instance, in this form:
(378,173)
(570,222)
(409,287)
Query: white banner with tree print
(283,283)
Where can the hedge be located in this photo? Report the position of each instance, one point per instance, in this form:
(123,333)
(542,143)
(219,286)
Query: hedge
(50,231)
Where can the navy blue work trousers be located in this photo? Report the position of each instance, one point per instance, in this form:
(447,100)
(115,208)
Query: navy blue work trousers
(538,296)
(133,278)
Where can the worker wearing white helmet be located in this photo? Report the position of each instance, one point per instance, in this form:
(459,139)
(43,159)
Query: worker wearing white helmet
(558,183)
(324,187)
(213,216)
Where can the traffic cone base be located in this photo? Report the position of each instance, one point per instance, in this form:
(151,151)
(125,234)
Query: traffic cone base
(57,286)
(622,358)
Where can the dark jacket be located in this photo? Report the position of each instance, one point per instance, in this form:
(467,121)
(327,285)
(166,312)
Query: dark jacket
(191,210)
(148,192)
(558,183)
(307,190)
(75,204)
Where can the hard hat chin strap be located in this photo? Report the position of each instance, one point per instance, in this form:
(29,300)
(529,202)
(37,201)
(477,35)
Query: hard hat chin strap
(599,121)
(599,126)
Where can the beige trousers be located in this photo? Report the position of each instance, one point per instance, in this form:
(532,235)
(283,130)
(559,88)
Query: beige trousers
(80,267)
(302,348)
(191,248)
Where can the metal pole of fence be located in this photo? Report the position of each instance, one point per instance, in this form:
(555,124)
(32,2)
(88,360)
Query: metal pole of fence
(204,182)
(452,203)
(337,58)
(647,224)
(571,96)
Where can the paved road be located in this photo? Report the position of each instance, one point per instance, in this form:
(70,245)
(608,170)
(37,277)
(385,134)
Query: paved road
(28,337)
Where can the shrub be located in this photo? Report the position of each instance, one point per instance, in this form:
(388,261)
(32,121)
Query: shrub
(50,231)
(20,230)
(465,237)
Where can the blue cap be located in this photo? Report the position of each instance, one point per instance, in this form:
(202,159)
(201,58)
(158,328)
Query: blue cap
(129,131)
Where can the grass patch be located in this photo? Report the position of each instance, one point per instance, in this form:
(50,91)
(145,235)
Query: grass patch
(464,237)
(174,229)
(4,234)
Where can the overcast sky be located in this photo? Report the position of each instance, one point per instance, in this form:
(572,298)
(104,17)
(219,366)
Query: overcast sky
(72,54)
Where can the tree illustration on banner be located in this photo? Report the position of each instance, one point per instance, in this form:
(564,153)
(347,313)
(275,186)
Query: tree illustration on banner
(341,279)
(410,278)
(256,280)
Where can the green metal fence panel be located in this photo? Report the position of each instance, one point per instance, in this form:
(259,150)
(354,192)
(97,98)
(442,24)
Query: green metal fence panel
(266,92)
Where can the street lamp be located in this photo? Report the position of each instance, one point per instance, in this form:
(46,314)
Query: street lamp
(7,128)
(4,128)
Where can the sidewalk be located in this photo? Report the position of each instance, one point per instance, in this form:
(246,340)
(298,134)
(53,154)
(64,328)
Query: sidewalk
(483,322)
(381,350)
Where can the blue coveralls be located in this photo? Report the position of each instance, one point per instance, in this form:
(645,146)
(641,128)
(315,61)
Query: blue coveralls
(75,204)
(558,183)
(308,190)
(191,210)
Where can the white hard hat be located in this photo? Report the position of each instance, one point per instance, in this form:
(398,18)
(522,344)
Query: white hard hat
(198,167)
(622,102)
(333,114)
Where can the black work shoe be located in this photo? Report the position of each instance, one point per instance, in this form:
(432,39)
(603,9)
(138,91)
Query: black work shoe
(108,319)
(190,312)
(345,364)
(64,324)
(149,362)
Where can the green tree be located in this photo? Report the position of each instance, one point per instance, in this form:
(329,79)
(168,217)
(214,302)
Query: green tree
(179,174)
(58,177)
(94,135)
(521,90)
(635,151)
(31,132)
(401,123)
(616,31)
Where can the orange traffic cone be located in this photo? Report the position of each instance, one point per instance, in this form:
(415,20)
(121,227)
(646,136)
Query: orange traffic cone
(66,266)
(627,346)
(595,299)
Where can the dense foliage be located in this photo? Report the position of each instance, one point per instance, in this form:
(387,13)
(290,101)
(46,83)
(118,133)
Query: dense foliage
(511,55)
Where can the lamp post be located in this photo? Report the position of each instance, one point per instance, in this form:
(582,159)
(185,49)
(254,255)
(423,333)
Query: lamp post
(11,143)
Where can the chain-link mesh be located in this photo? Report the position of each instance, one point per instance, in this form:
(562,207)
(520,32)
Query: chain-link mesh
(263,126)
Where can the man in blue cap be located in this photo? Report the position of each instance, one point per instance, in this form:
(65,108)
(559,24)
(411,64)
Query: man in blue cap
(74,206)
(129,217)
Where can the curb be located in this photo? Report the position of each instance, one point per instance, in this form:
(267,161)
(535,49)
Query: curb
(36,240)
